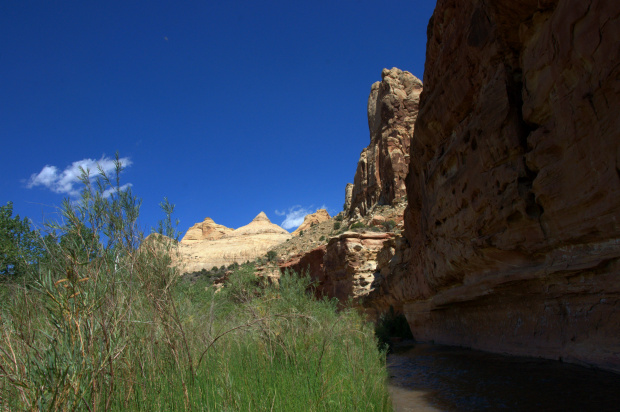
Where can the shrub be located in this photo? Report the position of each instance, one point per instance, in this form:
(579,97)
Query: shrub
(392,325)
(336,225)
(322,238)
(271,256)
(233,266)
(389,225)
(358,225)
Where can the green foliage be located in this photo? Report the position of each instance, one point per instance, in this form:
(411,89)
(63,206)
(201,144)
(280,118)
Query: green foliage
(108,325)
(339,217)
(336,225)
(165,226)
(358,225)
(301,233)
(392,325)
(233,266)
(322,238)
(272,256)
(389,225)
(20,246)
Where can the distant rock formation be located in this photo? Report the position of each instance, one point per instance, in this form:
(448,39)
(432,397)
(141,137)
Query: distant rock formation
(514,195)
(383,165)
(206,230)
(260,225)
(312,219)
(234,246)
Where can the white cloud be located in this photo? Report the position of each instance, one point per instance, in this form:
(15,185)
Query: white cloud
(64,182)
(108,192)
(295,215)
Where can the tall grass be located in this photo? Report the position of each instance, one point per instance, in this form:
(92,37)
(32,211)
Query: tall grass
(106,323)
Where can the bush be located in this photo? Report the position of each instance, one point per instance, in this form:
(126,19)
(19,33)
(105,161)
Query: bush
(271,256)
(389,225)
(392,325)
(336,225)
(358,225)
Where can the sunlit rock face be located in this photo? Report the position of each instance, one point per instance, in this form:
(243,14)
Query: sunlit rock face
(233,246)
(205,230)
(312,219)
(513,220)
(382,167)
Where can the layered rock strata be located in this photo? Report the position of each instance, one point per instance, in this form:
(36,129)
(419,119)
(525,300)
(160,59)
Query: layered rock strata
(345,268)
(205,230)
(513,220)
(236,246)
(383,165)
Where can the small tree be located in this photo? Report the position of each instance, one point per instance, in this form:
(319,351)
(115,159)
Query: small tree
(19,244)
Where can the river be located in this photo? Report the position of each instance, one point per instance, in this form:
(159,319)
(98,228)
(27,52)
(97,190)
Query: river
(425,377)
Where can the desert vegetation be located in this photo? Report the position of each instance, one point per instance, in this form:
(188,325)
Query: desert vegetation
(98,318)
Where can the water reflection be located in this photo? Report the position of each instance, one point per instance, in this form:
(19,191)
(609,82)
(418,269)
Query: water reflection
(443,378)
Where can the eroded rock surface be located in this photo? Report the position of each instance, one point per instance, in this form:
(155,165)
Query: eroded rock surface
(312,219)
(205,230)
(514,195)
(383,165)
(236,246)
(345,268)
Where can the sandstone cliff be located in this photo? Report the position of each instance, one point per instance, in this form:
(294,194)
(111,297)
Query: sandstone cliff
(513,220)
(383,165)
(345,267)
(311,220)
(206,230)
(234,246)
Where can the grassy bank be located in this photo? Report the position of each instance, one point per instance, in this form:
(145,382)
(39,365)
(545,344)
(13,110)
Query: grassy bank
(105,322)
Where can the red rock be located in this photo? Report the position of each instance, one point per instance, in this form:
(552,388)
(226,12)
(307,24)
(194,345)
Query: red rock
(310,263)
(345,268)
(514,191)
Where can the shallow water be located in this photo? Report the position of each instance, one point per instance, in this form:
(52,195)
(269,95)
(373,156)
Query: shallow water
(427,377)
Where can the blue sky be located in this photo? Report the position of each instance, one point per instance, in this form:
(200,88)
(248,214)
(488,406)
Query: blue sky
(226,108)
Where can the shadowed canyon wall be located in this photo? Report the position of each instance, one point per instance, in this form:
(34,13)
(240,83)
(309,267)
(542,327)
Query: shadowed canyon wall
(513,220)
